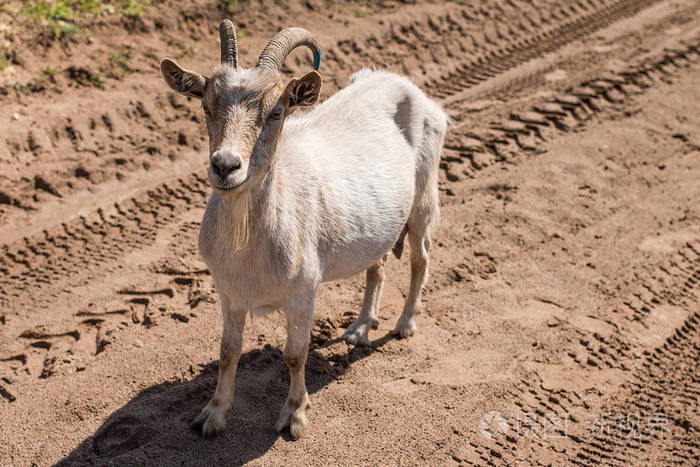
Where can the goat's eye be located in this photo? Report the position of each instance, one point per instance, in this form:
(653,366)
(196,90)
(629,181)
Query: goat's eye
(275,115)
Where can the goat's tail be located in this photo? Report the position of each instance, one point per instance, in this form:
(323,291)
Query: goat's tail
(437,123)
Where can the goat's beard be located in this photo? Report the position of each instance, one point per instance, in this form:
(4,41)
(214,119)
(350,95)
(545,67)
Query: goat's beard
(236,206)
(236,212)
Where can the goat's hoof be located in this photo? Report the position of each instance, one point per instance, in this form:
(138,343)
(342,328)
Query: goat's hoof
(210,421)
(406,327)
(294,418)
(358,332)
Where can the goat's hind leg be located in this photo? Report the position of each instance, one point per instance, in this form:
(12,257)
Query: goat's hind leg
(424,216)
(419,239)
(358,332)
(212,418)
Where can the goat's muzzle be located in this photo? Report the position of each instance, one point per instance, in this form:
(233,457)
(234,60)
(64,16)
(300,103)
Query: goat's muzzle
(227,169)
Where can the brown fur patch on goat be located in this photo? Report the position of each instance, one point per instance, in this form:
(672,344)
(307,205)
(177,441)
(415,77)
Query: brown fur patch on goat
(398,246)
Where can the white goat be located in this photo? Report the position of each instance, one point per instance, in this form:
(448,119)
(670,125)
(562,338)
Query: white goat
(323,198)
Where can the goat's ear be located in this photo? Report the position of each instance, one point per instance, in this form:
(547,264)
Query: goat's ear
(303,91)
(183,81)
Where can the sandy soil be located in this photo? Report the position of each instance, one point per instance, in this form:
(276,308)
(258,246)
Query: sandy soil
(561,322)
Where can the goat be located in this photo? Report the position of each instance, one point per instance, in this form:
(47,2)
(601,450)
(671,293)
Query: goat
(300,200)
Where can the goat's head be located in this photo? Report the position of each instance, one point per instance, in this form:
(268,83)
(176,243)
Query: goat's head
(245,109)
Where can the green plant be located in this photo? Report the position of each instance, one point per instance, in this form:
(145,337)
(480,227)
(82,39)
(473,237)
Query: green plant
(177,43)
(3,61)
(134,8)
(94,7)
(230,6)
(185,48)
(123,60)
(57,18)
(50,71)
(64,28)
(96,79)
(362,14)
(39,10)
(61,18)
(20,87)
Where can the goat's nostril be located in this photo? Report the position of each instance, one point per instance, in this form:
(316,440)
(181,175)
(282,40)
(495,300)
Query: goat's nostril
(236,164)
(224,164)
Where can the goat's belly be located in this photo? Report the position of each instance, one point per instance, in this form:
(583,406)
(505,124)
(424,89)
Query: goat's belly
(341,270)
(367,231)
(357,256)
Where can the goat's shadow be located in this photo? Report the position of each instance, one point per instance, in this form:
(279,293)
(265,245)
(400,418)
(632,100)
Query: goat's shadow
(153,428)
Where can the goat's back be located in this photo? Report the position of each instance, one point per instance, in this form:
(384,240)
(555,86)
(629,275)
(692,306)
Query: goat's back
(380,98)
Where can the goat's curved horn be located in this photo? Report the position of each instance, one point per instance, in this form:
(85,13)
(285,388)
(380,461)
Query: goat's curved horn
(283,43)
(229,48)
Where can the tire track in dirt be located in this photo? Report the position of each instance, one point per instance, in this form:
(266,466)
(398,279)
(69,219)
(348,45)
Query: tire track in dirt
(108,141)
(657,398)
(666,384)
(667,387)
(441,36)
(91,241)
(469,150)
(60,347)
(451,86)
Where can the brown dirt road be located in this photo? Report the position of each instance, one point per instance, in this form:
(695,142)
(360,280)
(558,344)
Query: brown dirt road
(561,322)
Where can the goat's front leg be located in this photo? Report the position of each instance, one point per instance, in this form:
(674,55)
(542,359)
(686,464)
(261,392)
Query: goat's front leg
(300,318)
(212,418)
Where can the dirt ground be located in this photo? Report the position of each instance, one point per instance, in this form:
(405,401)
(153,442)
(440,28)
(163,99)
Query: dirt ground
(561,321)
